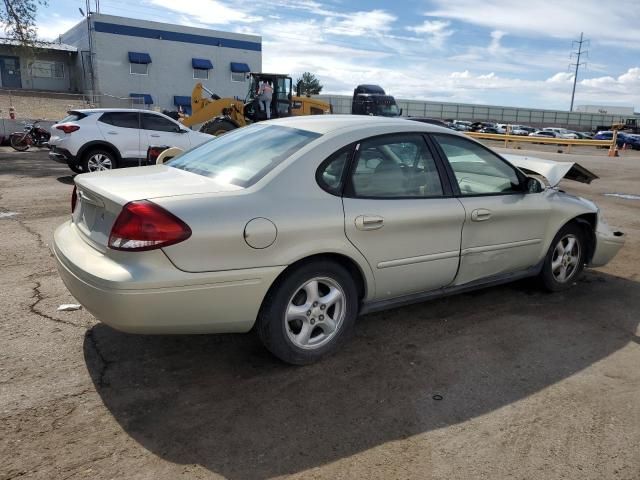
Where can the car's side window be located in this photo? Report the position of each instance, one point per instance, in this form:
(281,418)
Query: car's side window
(395,166)
(158,123)
(121,119)
(331,171)
(477,170)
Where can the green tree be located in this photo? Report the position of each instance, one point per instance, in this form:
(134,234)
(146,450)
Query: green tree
(19,19)
(308,84)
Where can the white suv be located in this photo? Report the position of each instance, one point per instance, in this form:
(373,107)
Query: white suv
(101,139)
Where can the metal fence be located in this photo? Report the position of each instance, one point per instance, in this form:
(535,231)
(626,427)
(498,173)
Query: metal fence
(465,111)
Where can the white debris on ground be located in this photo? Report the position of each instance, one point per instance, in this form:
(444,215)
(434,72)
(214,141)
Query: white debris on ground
(69,307)
(8,214)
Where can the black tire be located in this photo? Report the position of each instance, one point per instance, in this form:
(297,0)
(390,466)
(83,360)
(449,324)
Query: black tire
(548,278)
(75,167)
(89,160)
(217,127)
(274,331)
(19,143)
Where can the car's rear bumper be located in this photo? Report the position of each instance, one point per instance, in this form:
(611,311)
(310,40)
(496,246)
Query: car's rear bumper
(60,155)
(143,292)
(608,242)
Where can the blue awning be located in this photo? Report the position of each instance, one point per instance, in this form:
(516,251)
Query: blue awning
(240,67)
(181,101)
(146,98)
(201,63)
(139,57)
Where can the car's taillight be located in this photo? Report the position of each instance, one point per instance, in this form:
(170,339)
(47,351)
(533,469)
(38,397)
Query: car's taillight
(143,225)
(67,128)
(74,199)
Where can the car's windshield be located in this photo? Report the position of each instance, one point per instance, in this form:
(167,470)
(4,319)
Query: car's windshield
(244,156)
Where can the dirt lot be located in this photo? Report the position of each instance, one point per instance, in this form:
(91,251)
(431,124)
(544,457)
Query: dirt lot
(533,385)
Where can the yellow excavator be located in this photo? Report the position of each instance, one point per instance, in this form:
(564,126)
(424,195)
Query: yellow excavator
(220,115)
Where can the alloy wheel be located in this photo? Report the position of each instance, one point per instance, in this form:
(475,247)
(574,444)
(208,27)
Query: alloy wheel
(566,255)
(99,162)
(315,313)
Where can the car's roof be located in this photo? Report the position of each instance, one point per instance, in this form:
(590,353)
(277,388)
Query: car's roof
(324,124)
(105,110)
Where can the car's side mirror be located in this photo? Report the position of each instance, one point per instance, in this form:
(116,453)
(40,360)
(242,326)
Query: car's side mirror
(181,130)
(534,185)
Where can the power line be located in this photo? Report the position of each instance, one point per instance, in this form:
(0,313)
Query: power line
(579,43)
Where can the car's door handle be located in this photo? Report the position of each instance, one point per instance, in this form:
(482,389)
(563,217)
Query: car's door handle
(155,135)
(480,215)
(112,133)
(369,222)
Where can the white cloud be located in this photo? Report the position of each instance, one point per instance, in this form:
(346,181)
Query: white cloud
(494,47)
(361,23)
(54,26)
(210,12)
(536,18)
(561,77)
(436,31)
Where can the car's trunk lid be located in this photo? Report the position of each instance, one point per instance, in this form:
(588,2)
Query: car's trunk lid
(101,195)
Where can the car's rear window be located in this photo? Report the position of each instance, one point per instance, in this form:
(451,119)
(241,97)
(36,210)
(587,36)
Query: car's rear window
(244,156)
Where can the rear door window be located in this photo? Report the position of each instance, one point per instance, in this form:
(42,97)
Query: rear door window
(121,119)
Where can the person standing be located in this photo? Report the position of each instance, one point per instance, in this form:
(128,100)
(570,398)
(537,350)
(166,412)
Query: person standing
(265,96)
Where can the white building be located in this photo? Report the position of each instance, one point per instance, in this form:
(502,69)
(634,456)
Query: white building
(159,63)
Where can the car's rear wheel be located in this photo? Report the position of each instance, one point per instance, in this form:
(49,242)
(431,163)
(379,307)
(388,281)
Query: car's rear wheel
(308,313)
(98,160)
(565,259)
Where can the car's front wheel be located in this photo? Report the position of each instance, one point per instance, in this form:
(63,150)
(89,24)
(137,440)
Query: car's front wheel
(565,259)
(307,313)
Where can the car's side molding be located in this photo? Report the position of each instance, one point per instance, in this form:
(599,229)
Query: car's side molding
(376,306)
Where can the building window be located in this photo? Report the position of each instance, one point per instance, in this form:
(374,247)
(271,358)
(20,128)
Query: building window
(138,68)
(201,74)
(43,69)
(238,76)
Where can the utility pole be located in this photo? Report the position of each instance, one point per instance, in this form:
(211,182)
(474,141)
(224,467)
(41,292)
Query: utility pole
(579,43)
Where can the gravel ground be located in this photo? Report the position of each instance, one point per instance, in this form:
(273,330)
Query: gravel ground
(507,382)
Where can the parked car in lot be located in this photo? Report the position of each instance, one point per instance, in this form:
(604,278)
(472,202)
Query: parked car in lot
(102,139)
(562,132)
(621,140)
(581,135)
(295,226)
(545,134)
(517,130)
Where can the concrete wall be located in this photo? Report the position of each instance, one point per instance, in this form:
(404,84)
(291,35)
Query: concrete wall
(170,72)
(460,111)
(42,105)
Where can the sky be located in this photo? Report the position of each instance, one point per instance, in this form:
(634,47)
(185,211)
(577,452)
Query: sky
(499,52)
